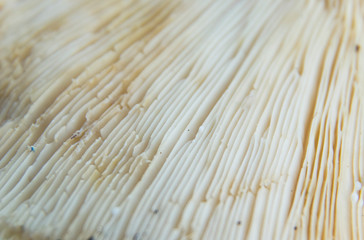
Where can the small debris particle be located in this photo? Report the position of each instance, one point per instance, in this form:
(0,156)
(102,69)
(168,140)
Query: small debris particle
(32,148)
(155,211)
(238,222)
(357,48)
(76,134)
(91,238)
(188,129)
(295,228)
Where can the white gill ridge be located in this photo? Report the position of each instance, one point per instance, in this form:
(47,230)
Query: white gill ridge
(181,119)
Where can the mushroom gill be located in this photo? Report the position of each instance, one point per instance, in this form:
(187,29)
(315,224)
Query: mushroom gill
(213,119)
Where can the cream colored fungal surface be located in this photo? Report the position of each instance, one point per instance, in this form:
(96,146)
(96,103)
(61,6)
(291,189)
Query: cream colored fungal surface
(183,119)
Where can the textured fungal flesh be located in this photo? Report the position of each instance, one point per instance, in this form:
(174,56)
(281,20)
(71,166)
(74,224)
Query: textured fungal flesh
(181,119)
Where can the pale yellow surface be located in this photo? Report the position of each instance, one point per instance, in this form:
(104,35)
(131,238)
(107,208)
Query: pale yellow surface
(181,119)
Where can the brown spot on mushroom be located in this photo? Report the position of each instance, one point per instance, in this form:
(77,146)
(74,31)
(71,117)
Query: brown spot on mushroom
(357,48)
